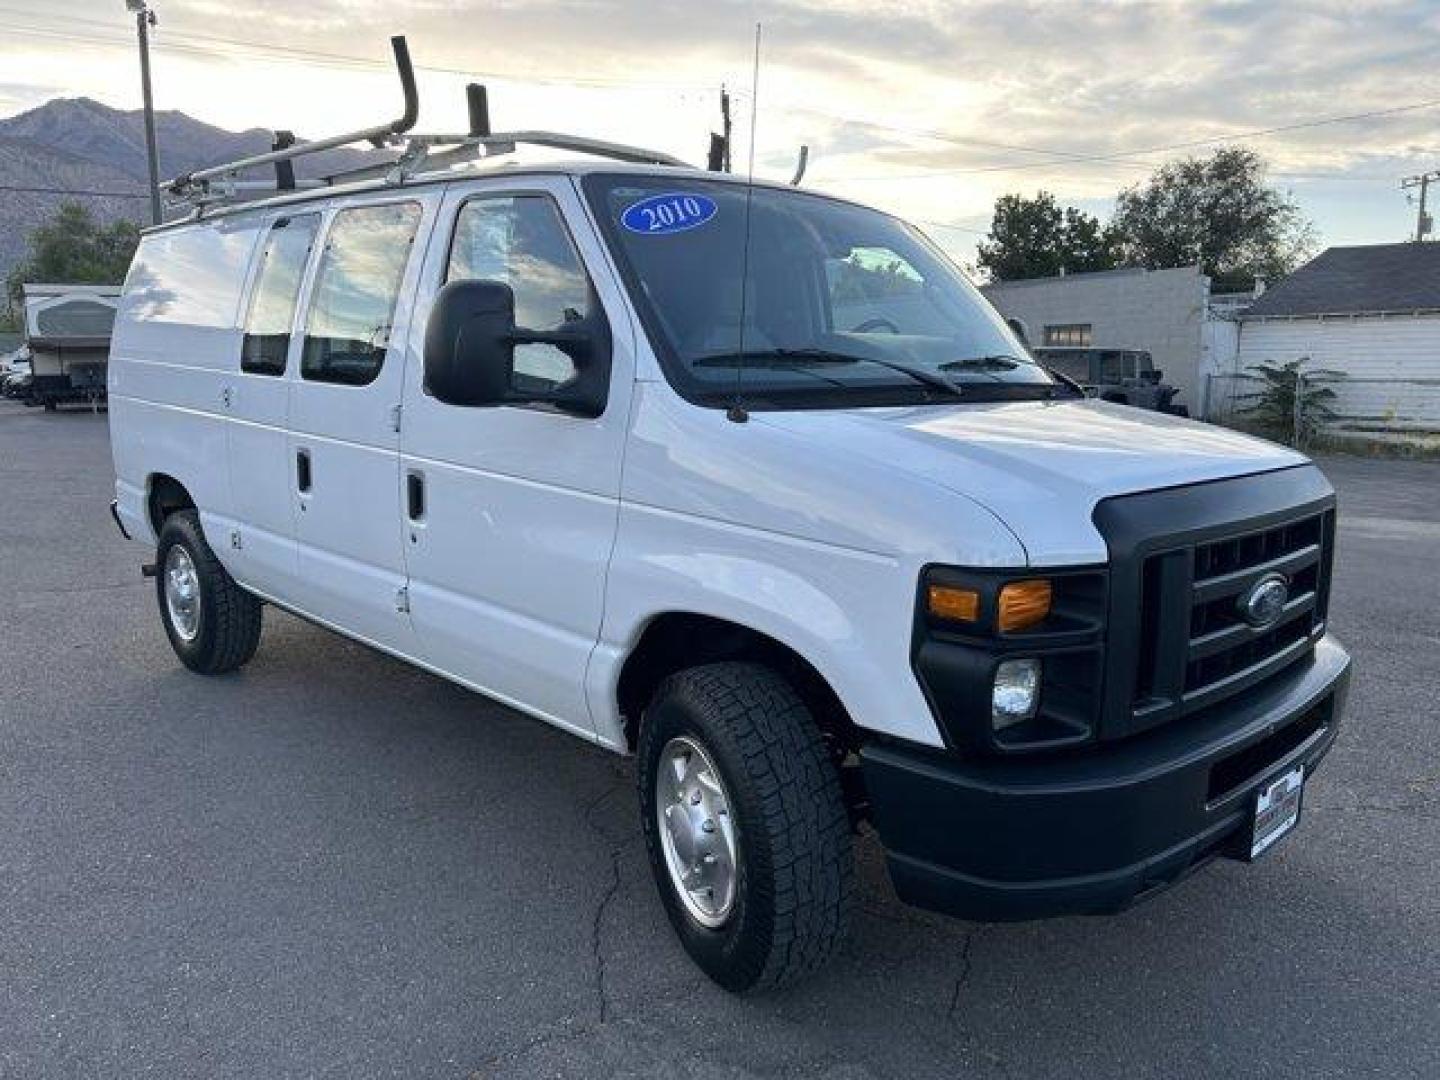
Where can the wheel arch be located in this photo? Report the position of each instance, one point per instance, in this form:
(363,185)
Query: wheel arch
(164,495)
(672,641)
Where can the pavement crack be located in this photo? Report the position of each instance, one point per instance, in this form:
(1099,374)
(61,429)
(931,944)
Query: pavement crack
(616,846)
(967,945)
(602,1000)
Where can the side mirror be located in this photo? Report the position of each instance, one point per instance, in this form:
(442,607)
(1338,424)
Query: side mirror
(470,343)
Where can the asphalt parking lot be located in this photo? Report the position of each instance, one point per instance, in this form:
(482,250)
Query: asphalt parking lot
(333,865)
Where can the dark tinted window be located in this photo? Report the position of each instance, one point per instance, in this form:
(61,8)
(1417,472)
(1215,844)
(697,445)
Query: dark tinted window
(277,290)
(347,332)
(1116,366)
(522,242)
(76,318)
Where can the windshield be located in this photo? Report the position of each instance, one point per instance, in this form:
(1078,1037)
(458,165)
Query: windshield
(841,305)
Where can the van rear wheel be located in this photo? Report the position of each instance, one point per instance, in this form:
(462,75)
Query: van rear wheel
(212,623)
(747,833)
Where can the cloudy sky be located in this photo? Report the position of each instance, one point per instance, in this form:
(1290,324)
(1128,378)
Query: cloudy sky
(930,108)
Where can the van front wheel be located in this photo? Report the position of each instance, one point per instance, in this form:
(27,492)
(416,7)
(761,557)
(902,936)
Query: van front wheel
(748,836)
(212,623)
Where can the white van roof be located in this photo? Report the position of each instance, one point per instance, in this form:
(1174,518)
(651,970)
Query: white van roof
(482,169)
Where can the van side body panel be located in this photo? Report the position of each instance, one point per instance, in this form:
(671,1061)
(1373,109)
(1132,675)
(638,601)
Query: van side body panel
(175,342)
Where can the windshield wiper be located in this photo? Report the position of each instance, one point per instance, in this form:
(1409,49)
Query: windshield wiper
(1005,362)
(796,357)
(993,362)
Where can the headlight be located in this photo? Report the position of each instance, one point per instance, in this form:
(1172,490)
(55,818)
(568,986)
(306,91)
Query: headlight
(1011,660)
(1016,694)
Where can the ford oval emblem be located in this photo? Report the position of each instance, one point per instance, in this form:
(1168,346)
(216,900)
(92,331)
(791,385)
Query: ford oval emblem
(674,212)
(1263,603)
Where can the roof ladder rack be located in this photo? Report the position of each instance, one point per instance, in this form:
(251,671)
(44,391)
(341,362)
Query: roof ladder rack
(197,186)
(419,153)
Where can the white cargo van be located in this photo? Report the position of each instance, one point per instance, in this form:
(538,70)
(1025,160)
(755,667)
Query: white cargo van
(751,484)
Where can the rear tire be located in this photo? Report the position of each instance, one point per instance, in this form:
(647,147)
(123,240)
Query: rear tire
(793,879)
(212,623)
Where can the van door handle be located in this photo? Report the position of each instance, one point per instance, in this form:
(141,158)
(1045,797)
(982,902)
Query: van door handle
(302,471)
(415,496)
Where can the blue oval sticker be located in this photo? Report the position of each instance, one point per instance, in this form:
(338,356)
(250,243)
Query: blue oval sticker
(673,212)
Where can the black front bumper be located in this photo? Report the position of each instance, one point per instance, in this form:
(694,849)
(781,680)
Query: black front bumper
(999,839)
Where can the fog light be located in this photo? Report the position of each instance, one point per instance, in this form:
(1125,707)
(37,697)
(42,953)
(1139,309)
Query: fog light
(1016,694)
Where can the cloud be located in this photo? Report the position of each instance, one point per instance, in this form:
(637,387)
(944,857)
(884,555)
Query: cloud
(861,81)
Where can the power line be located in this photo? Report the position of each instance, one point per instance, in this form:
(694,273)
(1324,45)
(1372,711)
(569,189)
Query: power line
(1127,157)
(202,44)
(91,193)
(945,136)
(952,225)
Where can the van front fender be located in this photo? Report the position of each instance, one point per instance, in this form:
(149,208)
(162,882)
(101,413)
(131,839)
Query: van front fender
(848,613)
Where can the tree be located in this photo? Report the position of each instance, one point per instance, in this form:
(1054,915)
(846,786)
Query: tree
(1036,238)
(1291,403)
(72,248)
(1215,211)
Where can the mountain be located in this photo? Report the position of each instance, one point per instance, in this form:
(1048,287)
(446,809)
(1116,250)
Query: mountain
(76,144)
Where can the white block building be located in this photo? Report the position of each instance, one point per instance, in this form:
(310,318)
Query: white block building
(1164,312)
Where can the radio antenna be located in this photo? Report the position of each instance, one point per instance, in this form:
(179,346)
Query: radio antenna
(737,411)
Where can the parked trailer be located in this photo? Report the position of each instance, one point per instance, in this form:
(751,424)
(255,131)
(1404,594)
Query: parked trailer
(67,330)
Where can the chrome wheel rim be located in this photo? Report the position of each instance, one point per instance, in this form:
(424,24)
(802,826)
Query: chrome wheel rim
(182,594)
(697,831)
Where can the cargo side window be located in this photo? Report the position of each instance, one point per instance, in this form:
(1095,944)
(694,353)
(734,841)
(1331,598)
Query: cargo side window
(347,331)
(276,292)
(522,241)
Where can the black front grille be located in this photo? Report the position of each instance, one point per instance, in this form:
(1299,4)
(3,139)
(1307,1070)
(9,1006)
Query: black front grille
(1181,559)
(1224,653)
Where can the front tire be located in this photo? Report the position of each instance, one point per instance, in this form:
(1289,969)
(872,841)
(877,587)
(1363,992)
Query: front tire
(760,898)
(212,623)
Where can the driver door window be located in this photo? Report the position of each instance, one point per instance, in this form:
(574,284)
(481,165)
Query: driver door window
(521,241)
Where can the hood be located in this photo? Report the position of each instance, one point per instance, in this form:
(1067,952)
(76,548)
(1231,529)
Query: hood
(1041,467)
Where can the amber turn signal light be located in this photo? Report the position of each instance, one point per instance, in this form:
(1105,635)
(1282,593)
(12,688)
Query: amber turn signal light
(1023,604)
(949,602)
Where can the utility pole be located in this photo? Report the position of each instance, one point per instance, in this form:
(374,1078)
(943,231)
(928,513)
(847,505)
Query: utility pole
(144,20)
(1423,223)
(725,119)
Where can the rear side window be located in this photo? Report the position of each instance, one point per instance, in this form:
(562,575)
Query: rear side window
(522,241)
(277,290)
(347,330)
(1116,366)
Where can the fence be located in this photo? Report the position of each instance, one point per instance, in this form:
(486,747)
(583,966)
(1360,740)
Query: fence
(1390,410)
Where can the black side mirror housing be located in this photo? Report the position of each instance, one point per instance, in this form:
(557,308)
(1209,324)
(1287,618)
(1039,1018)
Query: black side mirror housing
(470,344)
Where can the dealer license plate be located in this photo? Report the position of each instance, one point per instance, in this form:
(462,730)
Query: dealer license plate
(1277,809)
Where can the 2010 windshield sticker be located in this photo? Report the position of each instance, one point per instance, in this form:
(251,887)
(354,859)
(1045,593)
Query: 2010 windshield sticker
(675,212)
